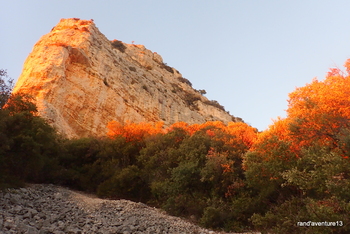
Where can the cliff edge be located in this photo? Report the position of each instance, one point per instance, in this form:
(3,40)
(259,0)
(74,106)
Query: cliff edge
(81,80)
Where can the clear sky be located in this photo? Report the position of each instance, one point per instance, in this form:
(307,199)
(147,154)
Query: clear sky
(247,54)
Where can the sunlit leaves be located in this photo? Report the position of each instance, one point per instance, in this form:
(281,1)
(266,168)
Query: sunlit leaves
(133,131)
(317,113)
(300,165)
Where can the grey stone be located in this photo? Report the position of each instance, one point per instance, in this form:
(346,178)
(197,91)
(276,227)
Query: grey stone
(33,211)
(39,224)
(44,231)
(32,230)
(27,215)
(58,195)
(46,223)
(47,209)
(17,209)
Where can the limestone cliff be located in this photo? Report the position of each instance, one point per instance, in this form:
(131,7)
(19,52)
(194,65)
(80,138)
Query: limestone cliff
(81,81)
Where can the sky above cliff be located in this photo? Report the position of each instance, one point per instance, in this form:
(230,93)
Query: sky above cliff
(248,55)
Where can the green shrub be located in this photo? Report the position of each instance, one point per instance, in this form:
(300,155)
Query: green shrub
(312,187)
(215,104)
(166,67)
(190,100)
(28,144)
(286,217)
(88,162)
(184,80)
(202,91)
(125,183)
(119,45)
(215,216)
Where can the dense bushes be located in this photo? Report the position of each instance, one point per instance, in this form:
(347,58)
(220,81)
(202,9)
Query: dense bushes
(28,145)
(300,166)
(189,170)
(186,169)
(287,179)
(314,188)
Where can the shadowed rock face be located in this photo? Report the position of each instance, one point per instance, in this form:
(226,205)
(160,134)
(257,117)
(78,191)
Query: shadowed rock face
(81,81)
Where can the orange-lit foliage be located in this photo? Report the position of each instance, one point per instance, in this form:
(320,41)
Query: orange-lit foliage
(243,132)
(181,125)
(133,131)
(21,102)
(317,113)
(191,129)
(240,133)
(268,140)
(320,110)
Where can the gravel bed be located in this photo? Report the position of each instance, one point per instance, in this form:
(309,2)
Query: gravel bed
(53,209)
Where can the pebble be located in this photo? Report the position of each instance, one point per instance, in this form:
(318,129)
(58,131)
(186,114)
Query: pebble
(52,209)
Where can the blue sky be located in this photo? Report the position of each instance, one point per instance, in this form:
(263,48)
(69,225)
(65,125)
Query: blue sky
(247,54)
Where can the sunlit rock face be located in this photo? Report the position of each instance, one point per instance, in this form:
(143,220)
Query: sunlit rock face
(81,81)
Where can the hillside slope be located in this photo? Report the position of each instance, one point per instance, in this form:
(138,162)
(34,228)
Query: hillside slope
(53,209)
(81,81)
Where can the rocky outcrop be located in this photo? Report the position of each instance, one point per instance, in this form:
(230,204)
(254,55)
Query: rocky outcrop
(81,81)
(52,209)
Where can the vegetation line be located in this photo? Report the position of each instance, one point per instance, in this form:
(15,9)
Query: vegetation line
(226,177)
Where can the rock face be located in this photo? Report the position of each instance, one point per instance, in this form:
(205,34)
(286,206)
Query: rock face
(81,81)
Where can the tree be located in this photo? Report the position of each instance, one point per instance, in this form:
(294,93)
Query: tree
(28,145)
(300,165)
(320,110)
(6,85)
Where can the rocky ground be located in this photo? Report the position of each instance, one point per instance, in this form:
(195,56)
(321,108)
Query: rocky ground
(53,209)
